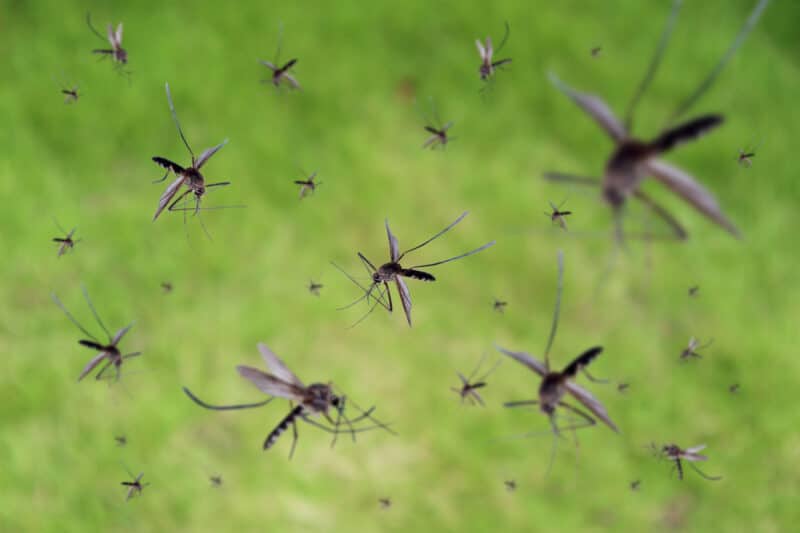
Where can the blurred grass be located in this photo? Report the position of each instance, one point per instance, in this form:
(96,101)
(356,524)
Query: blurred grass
(89,165)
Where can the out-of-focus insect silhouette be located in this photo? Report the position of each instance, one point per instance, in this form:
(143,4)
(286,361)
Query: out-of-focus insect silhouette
(557,216)
(692,348)
(469,388)
(510,484)
(394,271)
(308,185)
(280,73)
(733,389)
(694,290)
(314,288)
(595,51)
(499,305)
(216,481)
(487,51)
(633,160)
(557,384)
(635,484)
(385,502)
(136,486)
(65,243)
(122,440)
(312,400)
(439,131)
(105,351)
(166,286)
(623,387)
(114,37)
(678,455)
(745,157)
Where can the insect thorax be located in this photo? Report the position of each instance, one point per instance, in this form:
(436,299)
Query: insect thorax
(319,396)
(550,392)
(624,172)
(387,272)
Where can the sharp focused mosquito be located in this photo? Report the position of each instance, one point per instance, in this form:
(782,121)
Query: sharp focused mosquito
(312,400)
(487,51)
(189,176)
(675,453)
(314,288)
(136,486)
(469,388)
(633,160)
(394,271)
(556,384)
(557,216)
(308,185)
(116,52)
(692,348)
(499,305)
(66,243)
(280,74)
(105,352)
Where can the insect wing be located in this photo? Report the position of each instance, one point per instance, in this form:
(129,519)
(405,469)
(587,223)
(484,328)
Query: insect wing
(394,248)
(595,107)
(168,195)
(526,359)
(405,297)
(205,156)
(92,364)
(278,367)
(270,384)
(591,403)
(121,333)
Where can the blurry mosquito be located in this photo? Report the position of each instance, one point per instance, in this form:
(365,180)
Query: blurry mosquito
(385,502)
(633,160)
(216,481)
(66,243)
(439,136)
(308,185)
(116,52)
(189,176)
(623,387)
(555,385)
(469,388)
(676,454)
(499,305)
(487,51)
(557,216)
(694,290)
(692,348)
(69,91)
(510,484)
(312,400)
(595,51)
(733,389)
(105,352)
(745,157)
(280,74)
(314,288)
(121,440)
(635,484)
(166,286)
(136,486)
(394,271)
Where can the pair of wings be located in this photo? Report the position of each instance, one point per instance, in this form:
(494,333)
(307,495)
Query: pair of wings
(487,51)
(578,392)
(692,455)
(402,288)
(115,37)
(281,383)
(680,182)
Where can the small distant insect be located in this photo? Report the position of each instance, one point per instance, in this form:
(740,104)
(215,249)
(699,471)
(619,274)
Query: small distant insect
(109,351)
(469,389)
(166,286)
(116,52)
(439,136)
(635,484)
(555,385)
(312,400)
(70,93)
(596,51)
(557,216)
(622,387)
(511,485)
(136,486)
(216,481)
(121,440)
(385,502)
(634,160)
(488,65)
(280,73)
(499,305)
(745,157)
(733,389)
(674,453)
(691,350)
(66,243)
(393,271)
(693,291)
(308,185)
(189,176)
(314,288)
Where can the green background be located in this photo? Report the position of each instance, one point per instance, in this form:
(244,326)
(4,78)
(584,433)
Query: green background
(362,65)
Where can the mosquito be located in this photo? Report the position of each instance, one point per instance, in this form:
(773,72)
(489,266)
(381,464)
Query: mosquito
(189,176)
(385,502)
(733,389)
(556,384)
(136,486)
(106,352)
(633,160)
(116,52)
(308,185)
(312,400)
(216,481)
(314,288)
(623,387)
(166,286)
(595,51)
(70,94)
(675,453)
(694,290)
(557,216)
(511,485)
(439,132)
(393,271)
(635,484)
(499,305)
(280,73)
(66,243)
(488,65)
(692,348)
(469,388)
(122,440)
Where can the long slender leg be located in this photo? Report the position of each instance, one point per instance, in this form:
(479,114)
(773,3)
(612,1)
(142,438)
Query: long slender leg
(205,405)
(94,311)
(706,476)
(71,318)
(295,436)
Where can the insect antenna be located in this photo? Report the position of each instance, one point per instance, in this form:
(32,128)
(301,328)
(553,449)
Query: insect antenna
(505,38)
(445,230)
(700,472)
(72,318)
(178,124)
(556,310)
(278,49)
(201,403)
(472,252)
(91,27)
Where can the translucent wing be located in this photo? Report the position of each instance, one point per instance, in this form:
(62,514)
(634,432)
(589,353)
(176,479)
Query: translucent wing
(118,35)
(292,81)
(121,333)
(595,107)
(270,384)
(205,156)
(168,195)
(394,248)
(405,297)
(110,34)
(686,187)
(481,49)
(278,367)
(489,50)
(591,403)
(92,364)
(526,359)
(268,65)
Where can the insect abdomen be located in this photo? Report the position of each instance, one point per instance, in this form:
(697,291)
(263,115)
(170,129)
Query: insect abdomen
(282,426)
(417,274)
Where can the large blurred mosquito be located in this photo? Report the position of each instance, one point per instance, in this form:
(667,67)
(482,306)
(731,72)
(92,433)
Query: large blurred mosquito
(633,160)
(280,73)
(556,384)
(136,486)
(557,216)
(308,185)
(439,136)
(116,52)
(312,400)
(469,388)
(189,176)
(675,453)
(66,243)
(692,348)
(393,271)
(487,51)
(109,351)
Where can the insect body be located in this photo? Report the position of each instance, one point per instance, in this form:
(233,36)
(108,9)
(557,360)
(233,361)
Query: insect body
(116,52)
(487,51)
(676,454)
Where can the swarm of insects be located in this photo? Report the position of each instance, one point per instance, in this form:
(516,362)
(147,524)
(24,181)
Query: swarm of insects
(116,52)
(469,388)
(676,454)
(65,243)
(633,160)
(487,51)
(394,271)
